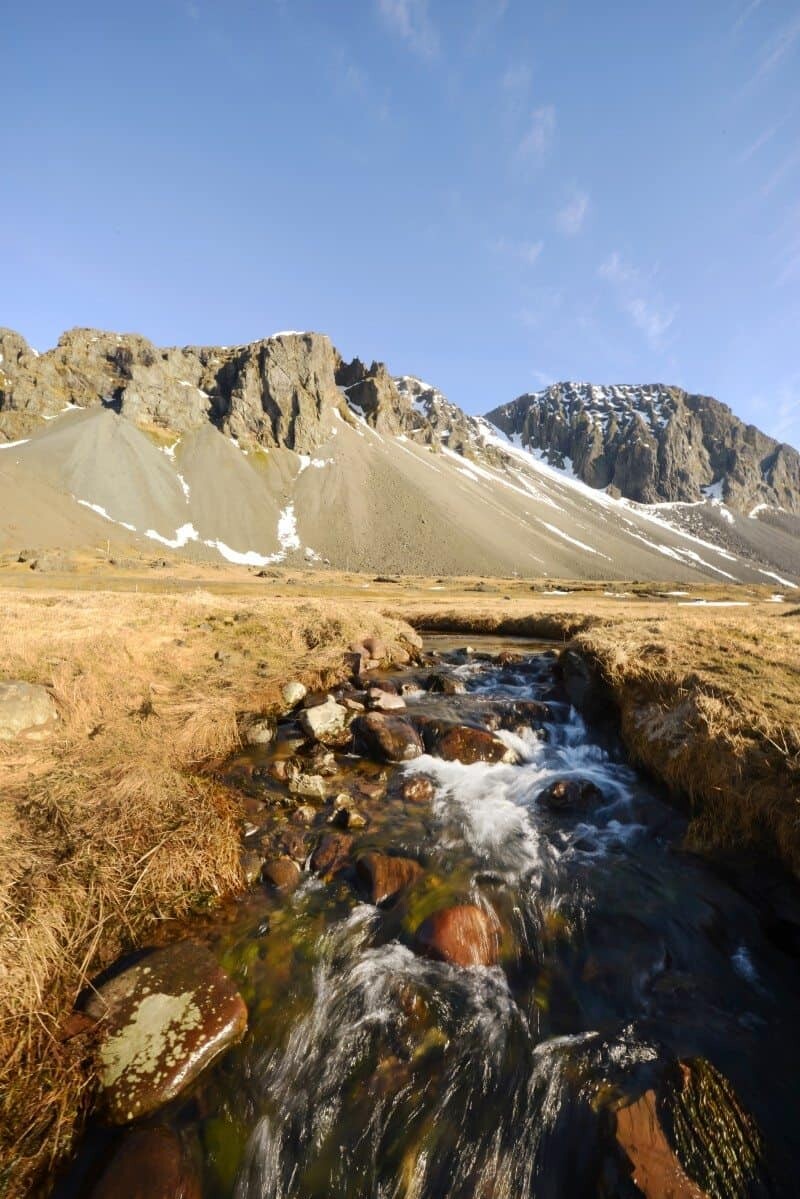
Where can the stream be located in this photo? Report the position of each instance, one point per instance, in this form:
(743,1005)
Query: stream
(371,1070)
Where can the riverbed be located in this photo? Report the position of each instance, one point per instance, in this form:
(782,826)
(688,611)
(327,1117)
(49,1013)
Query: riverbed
(372,1068)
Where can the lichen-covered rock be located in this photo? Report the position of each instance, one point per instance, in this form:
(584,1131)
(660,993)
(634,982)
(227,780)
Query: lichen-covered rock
(26,709)
(165,1019)
(293,693)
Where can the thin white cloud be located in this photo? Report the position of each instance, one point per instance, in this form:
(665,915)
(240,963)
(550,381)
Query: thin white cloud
(745,14)
(410,21)
(784,168)
(570,219)
(537,140)
(526,252)
(756,145)
(638,299)
(776,49)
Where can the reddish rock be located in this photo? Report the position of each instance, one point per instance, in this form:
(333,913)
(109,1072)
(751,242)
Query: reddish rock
(570,795)
(418,789)
(656,1170)
(282,874)
(149,1163)
(385,876)
(386,738)
(165,1019)
(468,745)
(465,935)
(332,853)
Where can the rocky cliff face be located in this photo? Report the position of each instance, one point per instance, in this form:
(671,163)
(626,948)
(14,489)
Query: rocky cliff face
(654,444)
(279,391)
(650,443)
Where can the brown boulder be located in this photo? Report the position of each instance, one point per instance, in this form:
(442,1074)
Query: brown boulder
(282,874)
(418,789)
(165,1019)
(384,876)
(149,1163)
(464,935)
(570,795)
(332,853)
(386,738)
(464,744)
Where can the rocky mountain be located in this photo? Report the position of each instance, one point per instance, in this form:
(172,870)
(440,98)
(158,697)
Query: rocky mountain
(654,444)
(279,451)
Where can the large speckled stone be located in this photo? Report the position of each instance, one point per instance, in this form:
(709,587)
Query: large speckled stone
(165,1019)
(25,709)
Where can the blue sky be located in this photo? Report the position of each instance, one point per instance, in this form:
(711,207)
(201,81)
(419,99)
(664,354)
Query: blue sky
(491,194)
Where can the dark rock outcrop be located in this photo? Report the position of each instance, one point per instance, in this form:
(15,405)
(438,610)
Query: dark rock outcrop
(653,443)
(384,876)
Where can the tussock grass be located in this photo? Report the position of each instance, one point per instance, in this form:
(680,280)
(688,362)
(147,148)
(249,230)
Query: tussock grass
(114,828)
(710,707)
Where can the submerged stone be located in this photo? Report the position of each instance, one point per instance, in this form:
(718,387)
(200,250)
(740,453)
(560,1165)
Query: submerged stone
(464,935)
(164,1020)
(691,1137)
(571,795)
(149,1163)
(385,876)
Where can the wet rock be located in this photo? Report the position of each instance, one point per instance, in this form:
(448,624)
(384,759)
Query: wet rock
(293,693)
(250,863)
(304,815)
(384,876)
(464,935)
(149,1163)
(571,795)
(417,789)
(520,712)
(292,843)
(332,853)
(444,684)
(386,738)
(283,769)
(308,786)
(345,814)
(324,722)
(690,1133)
(165,1019)
(282,874)
(26,709)
(461,743)
(353,705)
(259,732)
(385,701)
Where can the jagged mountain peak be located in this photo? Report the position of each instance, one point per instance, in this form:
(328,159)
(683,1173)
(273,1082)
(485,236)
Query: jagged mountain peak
(654,443)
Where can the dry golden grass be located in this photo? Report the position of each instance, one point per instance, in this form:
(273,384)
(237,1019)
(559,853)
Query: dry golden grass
(114,827)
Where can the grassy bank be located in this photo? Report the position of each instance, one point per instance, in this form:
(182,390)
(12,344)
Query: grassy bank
(113,827)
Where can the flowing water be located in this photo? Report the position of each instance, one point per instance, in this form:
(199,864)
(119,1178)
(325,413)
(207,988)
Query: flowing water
(371,1072)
